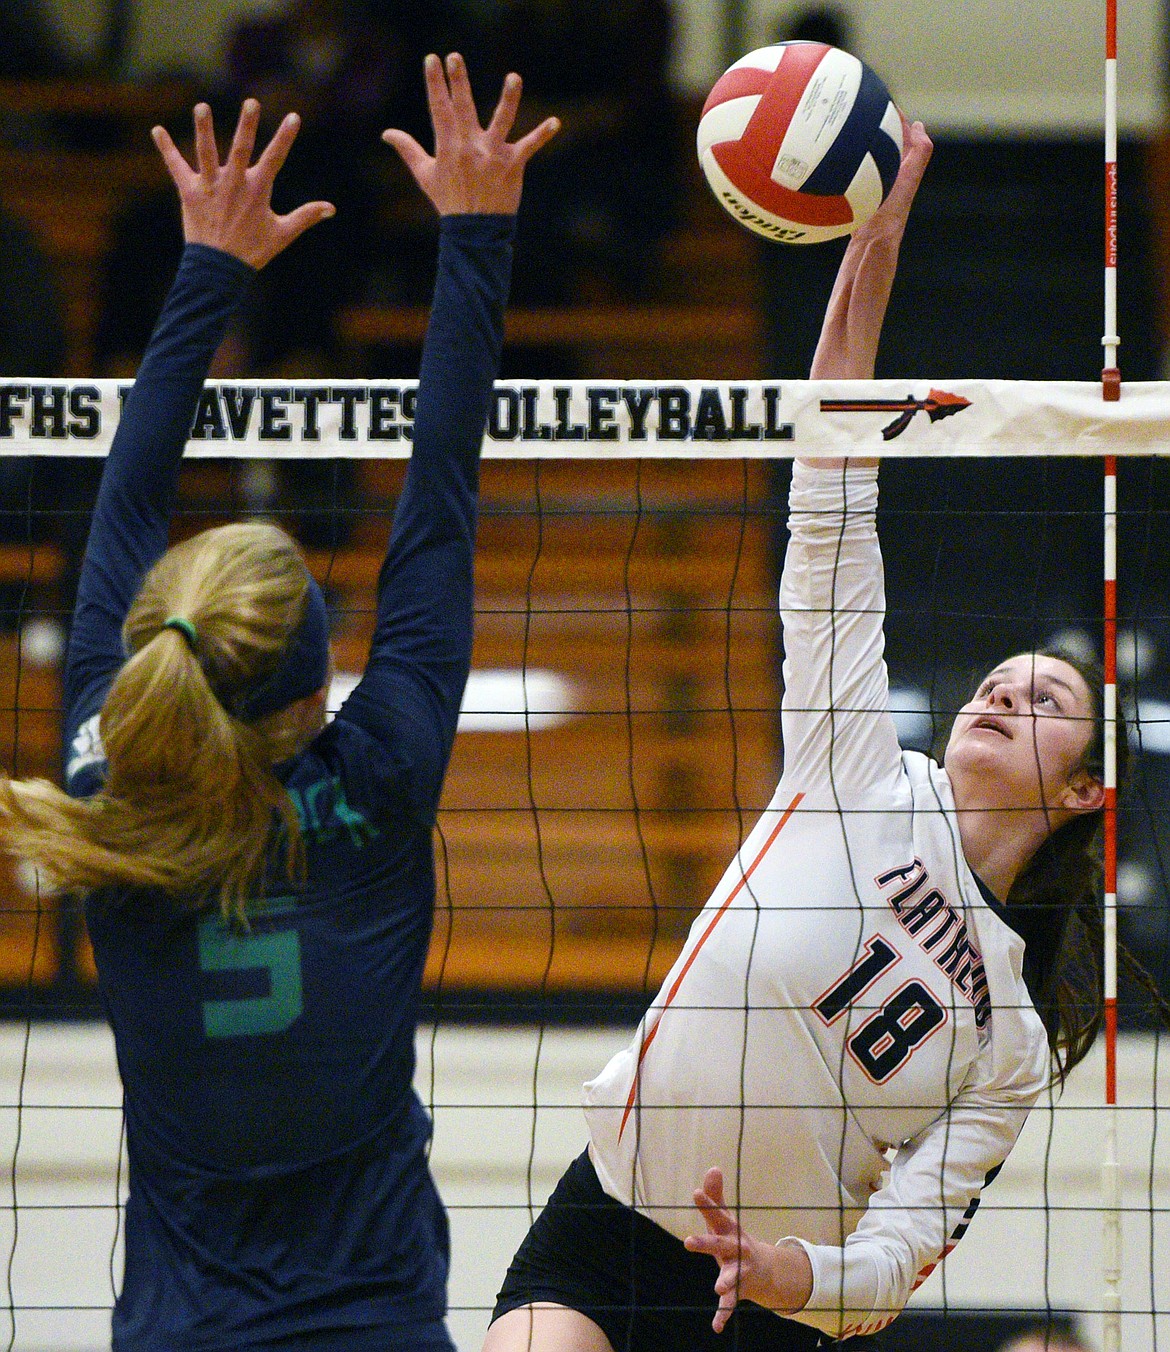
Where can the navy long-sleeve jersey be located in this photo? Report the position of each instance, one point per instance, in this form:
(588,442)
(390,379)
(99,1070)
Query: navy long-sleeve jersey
(279,1191)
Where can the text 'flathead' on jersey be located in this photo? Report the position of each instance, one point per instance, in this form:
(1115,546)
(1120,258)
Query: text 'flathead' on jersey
(928,917)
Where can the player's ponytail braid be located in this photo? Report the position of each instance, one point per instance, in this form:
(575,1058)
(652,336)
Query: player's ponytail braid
(190,800)
(1050,904)
(1056,903)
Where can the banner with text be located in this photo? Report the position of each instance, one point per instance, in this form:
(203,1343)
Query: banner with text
(621,419)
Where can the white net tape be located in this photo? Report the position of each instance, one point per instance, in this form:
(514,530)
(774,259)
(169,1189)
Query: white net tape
(687,419)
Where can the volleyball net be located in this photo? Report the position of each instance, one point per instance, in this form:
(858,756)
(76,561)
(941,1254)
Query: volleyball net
(619,738)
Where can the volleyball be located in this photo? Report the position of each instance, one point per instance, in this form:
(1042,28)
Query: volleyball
(800,142)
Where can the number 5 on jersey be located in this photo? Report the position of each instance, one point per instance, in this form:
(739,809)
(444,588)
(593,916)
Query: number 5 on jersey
(275,956)
(888,1038)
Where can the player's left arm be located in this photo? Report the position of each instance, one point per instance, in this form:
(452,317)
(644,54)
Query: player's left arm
(408,699)
(921,1212)
(230,230)
(832,588)
(835,723)
(910,1224)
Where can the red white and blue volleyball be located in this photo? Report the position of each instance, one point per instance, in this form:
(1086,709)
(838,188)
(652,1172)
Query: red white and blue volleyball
(800,142)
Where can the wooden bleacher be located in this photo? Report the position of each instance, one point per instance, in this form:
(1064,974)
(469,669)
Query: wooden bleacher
(70,204)
(30,742)
(133,106)
(589,844)
(648,340)
(573,857)
(703,319)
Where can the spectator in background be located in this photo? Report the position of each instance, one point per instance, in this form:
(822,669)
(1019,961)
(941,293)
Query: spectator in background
(607,192)
(48,503)
(1045,1338)
(347,76)
(348,69)
(29,48)
(32,324)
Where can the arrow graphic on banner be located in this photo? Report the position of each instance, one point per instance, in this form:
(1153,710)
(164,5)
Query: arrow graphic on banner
(937,404)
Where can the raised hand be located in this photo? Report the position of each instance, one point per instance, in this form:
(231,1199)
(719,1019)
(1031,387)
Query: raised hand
(474,169)
(779,1277)
(847,348)
(890,218)
(228,206)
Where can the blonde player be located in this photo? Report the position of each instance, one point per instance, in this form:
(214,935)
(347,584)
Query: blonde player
(260,887)
(873,997)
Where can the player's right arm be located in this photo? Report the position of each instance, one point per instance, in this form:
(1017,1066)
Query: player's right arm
(832,596)
(909,1225)
(852,327)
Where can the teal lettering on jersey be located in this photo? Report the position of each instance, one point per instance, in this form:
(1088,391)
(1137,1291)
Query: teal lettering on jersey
(222,949)
(323,813)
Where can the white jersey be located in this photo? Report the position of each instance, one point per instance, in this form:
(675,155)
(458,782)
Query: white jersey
(846,1033)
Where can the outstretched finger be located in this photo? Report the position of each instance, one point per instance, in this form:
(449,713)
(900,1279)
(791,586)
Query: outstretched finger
(916,153)
(504,117)
(723,1313)
(178,168)
(244,140)
(724,1248)
(304,218)
(527,146)
(709,1200)
(718,1219)
(923,145)
(466,113)
(438,97)
(890,219)
(730,1277)
(276,151)
(206,151)
(920,146)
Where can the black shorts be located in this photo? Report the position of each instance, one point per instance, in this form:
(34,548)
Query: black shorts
(638,1283)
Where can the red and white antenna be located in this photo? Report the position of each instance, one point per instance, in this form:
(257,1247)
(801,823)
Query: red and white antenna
(1111,391)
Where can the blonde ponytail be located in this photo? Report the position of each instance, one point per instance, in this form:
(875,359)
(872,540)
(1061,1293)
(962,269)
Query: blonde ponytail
(190,799)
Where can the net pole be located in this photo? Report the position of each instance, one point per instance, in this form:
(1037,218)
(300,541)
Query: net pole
(1111,392)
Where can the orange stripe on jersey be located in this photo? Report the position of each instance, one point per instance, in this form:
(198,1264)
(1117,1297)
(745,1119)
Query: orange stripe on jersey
(930,1267)
(715,919)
